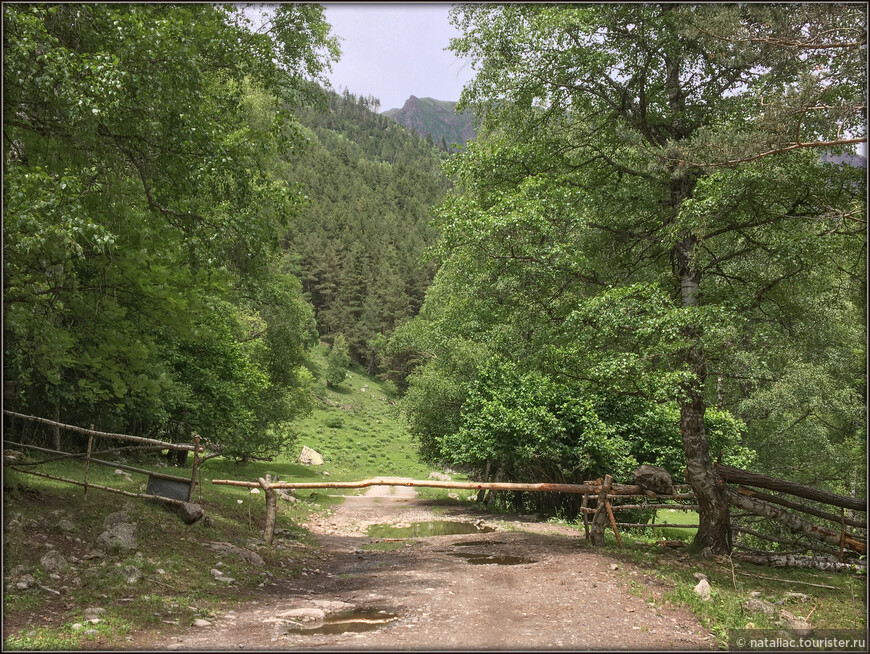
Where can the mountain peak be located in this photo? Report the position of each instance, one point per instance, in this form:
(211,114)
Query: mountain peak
(436,118)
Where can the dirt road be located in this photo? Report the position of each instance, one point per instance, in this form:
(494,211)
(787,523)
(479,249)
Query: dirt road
(526,585)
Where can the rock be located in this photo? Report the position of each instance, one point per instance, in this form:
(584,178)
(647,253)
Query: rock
(66,525)
(121,535)
(285,495)
(310,614)
(614,566)
(53,561)
(227,548)
(309,457)
(116,518)
(800,626)
(94,612)
(333,606)
(703,589)
(199,622)
(439,476)
(78,626)
(453,496)
(654,479)
(24,582)
(756,605)
(190,513)
(131,573)
(124,474)
(700,575)
(755,593)
(798,597)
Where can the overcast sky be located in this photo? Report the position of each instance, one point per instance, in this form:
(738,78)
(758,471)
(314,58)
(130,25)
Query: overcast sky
(395,50)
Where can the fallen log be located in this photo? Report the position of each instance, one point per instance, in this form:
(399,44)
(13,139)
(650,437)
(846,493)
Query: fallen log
(829,563)
(803,508)
(738,476)
(794,523)
(817,547)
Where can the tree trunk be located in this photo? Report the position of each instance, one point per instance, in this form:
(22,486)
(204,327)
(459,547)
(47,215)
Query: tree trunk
(714,529)
(800,561)
(793,522)
(738,476)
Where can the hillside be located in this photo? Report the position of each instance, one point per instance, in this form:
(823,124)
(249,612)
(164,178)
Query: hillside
(436,119)
(358,244)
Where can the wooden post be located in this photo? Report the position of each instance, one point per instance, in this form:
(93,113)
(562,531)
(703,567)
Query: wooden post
(599,519)
(271,511)
(195,467)
(612,522)
(88,459)
(584,506)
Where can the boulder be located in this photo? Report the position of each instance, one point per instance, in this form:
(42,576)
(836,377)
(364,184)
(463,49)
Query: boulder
(703,589)
(654,479)
(439,476)
(190,513)
(131,573)
(309,457)
(116,518)
(234,550)
(756,605)
(53,562)
(797,624)
(122,535)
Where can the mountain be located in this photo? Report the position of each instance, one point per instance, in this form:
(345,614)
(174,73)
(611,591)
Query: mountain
(437,119)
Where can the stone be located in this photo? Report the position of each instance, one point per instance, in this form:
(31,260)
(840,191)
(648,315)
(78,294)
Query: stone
(24,582)
(246,555)
(116,518)
(655,479)
(94,612)
(121,535)
(800,626)
(453,496)
(755,593)
(131,573)
(66,525)
(798,597)
(199,622)
(333,606)
(310,457)
(703,589)
(756,605)
(190,513)
(439,476)
(53,561)
(306,613)
(78,626)
(700,575)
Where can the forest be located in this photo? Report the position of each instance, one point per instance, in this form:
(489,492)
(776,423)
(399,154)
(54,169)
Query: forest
(654,251)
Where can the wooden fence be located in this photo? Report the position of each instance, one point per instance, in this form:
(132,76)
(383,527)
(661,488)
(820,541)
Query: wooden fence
(168,488)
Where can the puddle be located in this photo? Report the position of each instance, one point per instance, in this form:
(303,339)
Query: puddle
(344,623)
(422,529)
(491,559)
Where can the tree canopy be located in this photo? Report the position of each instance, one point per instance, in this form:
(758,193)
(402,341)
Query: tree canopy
(142,212)
(657,209)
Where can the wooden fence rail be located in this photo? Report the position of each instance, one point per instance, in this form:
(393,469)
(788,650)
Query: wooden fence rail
(155,488)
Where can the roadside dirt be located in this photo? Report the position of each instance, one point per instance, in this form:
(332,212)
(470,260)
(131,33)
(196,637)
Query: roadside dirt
(423,596)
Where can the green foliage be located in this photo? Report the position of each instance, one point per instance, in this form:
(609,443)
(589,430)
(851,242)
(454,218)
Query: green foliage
(634,224)
(337,361)
(142,210)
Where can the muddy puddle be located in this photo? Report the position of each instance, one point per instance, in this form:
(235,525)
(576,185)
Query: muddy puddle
(423,529)
(343,623)
(475,558)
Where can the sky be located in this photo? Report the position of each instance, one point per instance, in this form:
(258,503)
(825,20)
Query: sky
(395,50)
